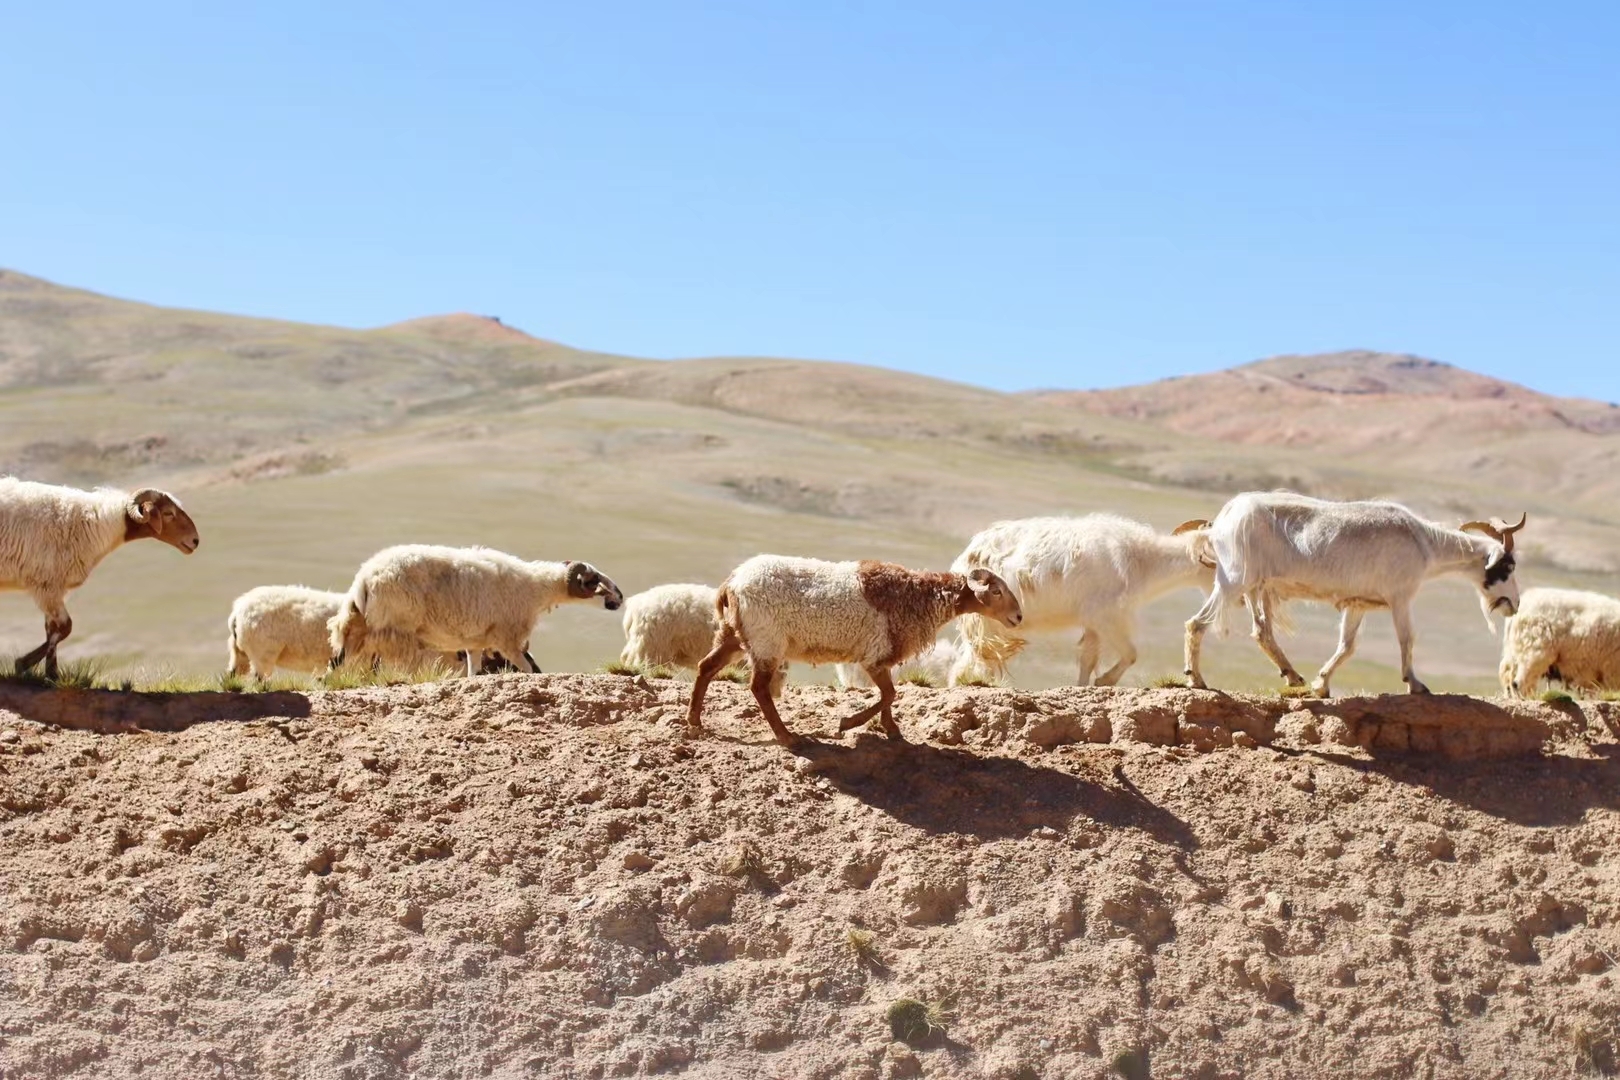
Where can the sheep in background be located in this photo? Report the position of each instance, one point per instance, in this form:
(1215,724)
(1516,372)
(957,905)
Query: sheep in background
(933,664)
(51,537)
(674,626)
(775,608)
(1566,634)
(288,626)
(1091,572)
(1273,547)
(451,599)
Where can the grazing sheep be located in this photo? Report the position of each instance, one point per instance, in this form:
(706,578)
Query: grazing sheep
(776,608)
(451,599)
(674,625)
(288,626)
(933,664)
(51,537)
(1562,634)
(1091,573)
(1273,547)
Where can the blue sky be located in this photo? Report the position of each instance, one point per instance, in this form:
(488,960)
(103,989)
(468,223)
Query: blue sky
(1011,194)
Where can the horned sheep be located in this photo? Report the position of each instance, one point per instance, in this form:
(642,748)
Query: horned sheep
(1273,547)
(452,599)
(1563,634)
(776,608)
(1091,572)
(52,537)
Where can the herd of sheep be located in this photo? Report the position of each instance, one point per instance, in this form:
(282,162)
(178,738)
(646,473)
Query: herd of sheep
(414,605)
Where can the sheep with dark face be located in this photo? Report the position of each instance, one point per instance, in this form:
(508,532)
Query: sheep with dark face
(775,609)
(51,537)
(473,600)
(1273,547)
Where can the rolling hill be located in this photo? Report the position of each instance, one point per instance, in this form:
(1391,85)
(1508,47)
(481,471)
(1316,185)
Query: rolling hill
(301,449)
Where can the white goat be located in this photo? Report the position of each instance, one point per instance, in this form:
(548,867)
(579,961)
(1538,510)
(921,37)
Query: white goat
(450,599)
(1562,634)
(776,608)
(1091,573)
(1273,547)
(51,537)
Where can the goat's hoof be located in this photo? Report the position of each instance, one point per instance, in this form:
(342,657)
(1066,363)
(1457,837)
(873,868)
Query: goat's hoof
(1418,688)
(1320,689)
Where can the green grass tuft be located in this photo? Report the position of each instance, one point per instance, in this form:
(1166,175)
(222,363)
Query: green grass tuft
(650,671)
(974,680)
(1557,697)
(915,1021)
(737,673)
(71,675)
(919,678)
(1169,682)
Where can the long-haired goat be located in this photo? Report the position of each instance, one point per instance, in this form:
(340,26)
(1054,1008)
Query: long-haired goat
(1089,573)
(1273,547)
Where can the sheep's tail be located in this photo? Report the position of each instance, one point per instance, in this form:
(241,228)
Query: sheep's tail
(985,649)
(724,604)
(237,660)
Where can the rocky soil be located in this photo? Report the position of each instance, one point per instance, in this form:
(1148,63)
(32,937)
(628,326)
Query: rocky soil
(538,876)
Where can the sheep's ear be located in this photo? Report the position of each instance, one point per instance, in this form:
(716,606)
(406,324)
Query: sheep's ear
(979,580)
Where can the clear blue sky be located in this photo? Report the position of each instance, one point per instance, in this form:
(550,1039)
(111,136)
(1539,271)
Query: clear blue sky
(1012,194)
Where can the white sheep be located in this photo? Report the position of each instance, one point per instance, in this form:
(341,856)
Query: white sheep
(51,537)
(1273,547)
(776,608)
(933,664)
(1562,634)
(671,625)
(1089,573)
(450,599)
(289,626)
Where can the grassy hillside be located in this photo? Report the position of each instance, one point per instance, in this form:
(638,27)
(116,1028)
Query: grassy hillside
(302,449)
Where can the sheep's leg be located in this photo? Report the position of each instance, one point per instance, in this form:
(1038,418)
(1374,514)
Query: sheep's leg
(1087,652)
(725,650)
(1349,627)
(1401,615)
(761,677)
(879,674)
(1266,638)
(58,625)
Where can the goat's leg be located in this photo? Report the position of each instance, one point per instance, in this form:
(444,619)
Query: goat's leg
(1349,627)
(760,684)
(1086,653)
(724,651)
(1267,640)
(1197,627)
(1401,615)
(1116,636)
(58,625)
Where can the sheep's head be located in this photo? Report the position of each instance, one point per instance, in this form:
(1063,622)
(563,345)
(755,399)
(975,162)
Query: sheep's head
(1498,590)
(586,581)
(157,513)
(994,597)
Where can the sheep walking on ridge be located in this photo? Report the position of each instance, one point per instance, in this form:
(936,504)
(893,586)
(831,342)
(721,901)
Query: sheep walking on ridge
(275,627)
(1089,573)
(51,537)
(1273,547)
(477,600)
(1563,634)
(776,608)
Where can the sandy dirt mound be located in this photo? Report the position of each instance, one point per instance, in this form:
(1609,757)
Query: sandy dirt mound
(537,876)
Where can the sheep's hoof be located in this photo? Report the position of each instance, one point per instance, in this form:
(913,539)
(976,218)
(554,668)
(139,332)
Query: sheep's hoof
(849,723)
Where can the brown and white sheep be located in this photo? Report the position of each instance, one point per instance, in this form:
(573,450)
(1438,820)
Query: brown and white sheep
(51,537)
(777,608)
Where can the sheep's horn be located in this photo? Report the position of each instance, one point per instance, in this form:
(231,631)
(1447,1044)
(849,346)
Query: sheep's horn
(1507,530)
(1189,526)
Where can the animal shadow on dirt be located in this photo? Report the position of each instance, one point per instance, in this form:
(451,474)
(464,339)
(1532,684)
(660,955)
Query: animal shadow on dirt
(112,711)
(942,789)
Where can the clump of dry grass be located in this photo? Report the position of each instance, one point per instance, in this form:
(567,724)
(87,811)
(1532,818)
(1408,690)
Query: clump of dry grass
(650,671)
(863,943)
(916,1021)
(1169,682)
(737,673)
(744,861)
(974,680)
(919,678)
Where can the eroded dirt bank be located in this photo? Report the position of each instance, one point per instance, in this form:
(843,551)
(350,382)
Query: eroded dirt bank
(535,876)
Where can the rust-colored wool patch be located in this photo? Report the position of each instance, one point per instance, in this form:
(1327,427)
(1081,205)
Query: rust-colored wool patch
(918,603)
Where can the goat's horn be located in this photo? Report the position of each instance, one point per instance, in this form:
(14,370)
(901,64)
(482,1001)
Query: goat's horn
(1508,530)
(1481,527)
(1189,526)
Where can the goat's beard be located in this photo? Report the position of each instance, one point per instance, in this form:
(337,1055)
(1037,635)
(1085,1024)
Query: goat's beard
(1487,604)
